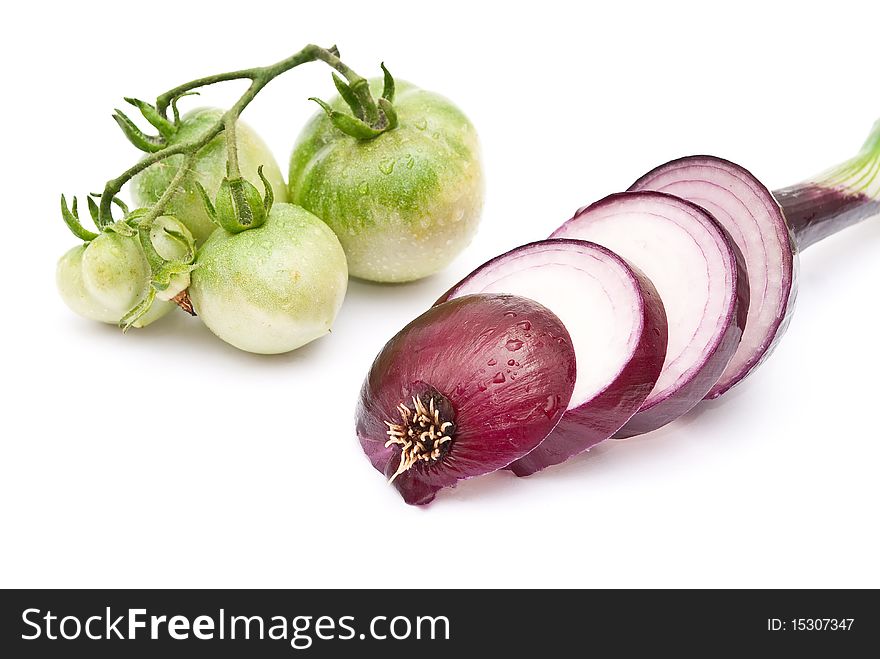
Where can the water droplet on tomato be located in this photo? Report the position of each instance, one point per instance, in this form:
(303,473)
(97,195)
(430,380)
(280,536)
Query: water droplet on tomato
(514,344)
(525,325)
(386,166)
(421,124)
(510,314)
(511,362)
(499,378)
(492,362)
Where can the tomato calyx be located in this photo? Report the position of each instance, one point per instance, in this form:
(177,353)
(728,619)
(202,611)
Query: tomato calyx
(169,277)
(238,205)
(147,143)
(368,118)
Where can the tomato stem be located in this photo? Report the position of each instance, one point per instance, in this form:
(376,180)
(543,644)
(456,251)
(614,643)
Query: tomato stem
(232,170)
(259,77)
(159,207)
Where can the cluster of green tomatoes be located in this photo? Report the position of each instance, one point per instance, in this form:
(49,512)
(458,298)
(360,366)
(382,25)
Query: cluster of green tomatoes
(267,270)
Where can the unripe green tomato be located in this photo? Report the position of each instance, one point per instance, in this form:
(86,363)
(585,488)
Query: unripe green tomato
(403,204)
(103,279)
(209,169)
(273,288)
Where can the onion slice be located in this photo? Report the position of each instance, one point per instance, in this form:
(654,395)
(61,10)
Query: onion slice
(617,325)
(751,215)
(442,402)
(699,274)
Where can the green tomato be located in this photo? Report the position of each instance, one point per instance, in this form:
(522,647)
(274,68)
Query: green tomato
(273,288)
(402,204)
(103,279)
(209,170)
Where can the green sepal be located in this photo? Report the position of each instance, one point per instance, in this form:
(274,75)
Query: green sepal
(360,87)
(95,212)
(347,124)
(348,96)
(128,226)
(389,112)
(116,200)
(142,307)
(185,241)
(144,142)
(71,219)
(123,228)
(174,111)
(209,207)
(93,209)
(167,129)
(388,86)
(154,259)
(269,193)
(137,214)
(162,271)
(239,205)
(163,276)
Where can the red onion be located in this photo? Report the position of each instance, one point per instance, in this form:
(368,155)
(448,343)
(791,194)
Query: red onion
(617,325)
(754,220)
(770,229)
(699,274)
(465,389)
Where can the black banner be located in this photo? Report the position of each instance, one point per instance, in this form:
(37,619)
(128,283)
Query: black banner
(328,623)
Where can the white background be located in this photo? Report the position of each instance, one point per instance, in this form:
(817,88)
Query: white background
(166,458)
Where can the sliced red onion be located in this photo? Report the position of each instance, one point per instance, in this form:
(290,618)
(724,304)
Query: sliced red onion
(443,402)
(754,220)
(699,274)
(617,325)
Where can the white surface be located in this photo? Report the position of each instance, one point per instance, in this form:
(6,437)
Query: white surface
(166,458)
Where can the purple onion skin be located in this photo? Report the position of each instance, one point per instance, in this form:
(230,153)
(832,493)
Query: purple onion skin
(836,199)
(461,349)
(814,211)
(600,417)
